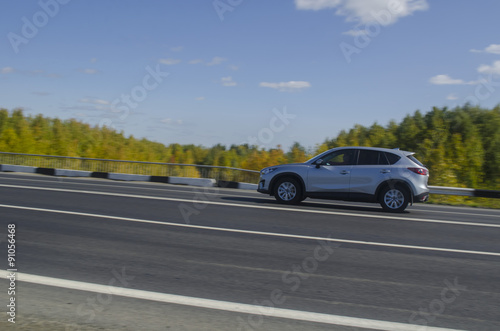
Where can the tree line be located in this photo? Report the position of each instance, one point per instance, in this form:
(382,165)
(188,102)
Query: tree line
(460,146)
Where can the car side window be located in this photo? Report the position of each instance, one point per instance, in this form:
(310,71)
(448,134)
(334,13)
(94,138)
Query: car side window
(368,157)
(342,157)
(392,158)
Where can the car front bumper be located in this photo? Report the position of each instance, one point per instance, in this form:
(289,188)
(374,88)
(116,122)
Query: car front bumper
(262,188)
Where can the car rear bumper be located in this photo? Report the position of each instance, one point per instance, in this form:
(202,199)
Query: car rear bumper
(423,197)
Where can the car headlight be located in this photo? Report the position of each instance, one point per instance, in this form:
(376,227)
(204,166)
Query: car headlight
(267,171)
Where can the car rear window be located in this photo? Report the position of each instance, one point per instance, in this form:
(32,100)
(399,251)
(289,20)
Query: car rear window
(414,159)
(392,158)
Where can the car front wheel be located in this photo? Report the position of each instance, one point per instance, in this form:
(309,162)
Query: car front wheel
(394,199)
(288,191)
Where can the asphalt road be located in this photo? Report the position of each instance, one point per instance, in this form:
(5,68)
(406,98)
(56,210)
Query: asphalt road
(162,250)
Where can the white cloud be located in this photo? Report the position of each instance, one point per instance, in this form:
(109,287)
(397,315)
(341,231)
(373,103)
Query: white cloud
(492,49)
(94,101)
(93,60)
(385,12)
(316,4)
(216,60)
(90,71)
(493,69)
(228,81)
(446,80)
(6,70)
(177,48)
(200,98)
(233,67)
(287,86)
(37,72)
(169,61)
(452,96)
(170,121)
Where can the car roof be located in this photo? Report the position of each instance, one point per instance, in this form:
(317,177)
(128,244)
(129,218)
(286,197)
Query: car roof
(395,150)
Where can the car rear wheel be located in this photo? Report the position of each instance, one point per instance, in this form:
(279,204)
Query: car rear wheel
(394,199)
(288,191)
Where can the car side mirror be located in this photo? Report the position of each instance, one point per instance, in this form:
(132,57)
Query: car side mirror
(318,163)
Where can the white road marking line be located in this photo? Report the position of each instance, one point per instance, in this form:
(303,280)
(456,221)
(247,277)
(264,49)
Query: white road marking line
(162,187)
(221,305)
(410,208)
(311,211)
(453,212)
(262,233)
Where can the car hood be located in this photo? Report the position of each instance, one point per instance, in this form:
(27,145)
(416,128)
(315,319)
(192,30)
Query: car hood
(285,165)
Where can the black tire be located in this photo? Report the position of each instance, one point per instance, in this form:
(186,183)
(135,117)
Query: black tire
(394,199)
(288,191)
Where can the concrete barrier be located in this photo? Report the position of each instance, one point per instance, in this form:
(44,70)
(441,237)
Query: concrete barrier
(247,186)
(128,177)
(99,174)
(18,168)
(159,179)
(46,171)
(72,173)
(206,182)
(236,185)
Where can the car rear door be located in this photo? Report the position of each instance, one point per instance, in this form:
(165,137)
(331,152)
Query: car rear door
(371,169)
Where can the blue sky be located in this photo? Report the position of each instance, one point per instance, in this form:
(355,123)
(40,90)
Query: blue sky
(240,71)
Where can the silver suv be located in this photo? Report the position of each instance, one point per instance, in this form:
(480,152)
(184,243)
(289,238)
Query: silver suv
(390,177)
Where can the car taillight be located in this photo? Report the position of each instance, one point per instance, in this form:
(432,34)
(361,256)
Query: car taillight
(420,171)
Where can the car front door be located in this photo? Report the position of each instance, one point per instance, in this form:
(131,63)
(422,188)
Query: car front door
(331,176)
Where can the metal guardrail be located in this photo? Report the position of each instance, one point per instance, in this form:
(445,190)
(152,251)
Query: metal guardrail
(466,192)
(218,173)
(131,167)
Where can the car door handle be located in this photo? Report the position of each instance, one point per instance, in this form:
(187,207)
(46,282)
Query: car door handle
(345,172)
(385,171)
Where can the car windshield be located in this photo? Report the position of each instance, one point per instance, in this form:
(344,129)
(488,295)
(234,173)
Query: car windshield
(314,157)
